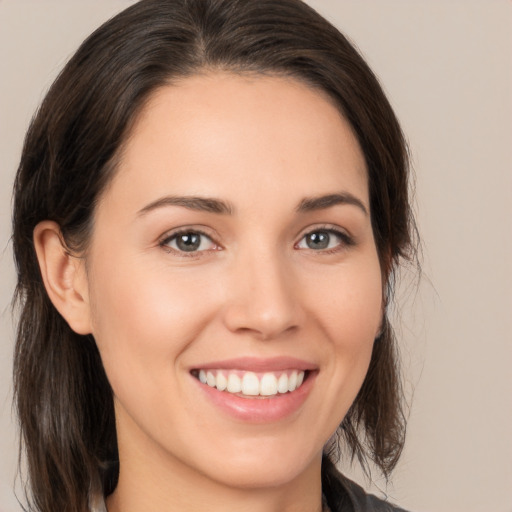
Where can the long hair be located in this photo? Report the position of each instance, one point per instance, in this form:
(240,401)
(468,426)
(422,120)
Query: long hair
(63,398)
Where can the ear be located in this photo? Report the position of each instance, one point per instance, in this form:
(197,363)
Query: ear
(64,276)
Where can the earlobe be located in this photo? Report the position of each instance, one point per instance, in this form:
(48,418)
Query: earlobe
(64,276)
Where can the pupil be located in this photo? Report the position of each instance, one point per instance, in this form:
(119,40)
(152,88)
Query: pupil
(188,242)
(318,240)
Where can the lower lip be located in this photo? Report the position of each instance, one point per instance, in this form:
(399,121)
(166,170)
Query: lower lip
(259,409)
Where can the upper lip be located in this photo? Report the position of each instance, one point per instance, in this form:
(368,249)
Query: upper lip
(256,364)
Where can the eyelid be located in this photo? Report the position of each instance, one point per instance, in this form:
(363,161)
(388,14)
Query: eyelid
(168,236)
(347,239)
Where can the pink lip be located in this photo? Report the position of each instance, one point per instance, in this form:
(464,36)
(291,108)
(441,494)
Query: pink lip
(255,364)
(261,409)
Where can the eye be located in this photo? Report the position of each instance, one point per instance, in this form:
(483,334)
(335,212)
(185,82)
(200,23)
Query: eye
(324,239)
(188,242)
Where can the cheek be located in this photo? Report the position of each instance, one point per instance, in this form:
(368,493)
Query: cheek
(349,309)
(143,322)
(350,303)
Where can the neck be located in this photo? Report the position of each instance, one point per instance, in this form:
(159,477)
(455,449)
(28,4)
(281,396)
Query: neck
(150,479)
(179,492)
(130,498)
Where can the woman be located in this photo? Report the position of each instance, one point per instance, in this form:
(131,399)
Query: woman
(209,208)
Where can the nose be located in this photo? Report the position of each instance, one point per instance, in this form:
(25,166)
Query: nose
(263,299)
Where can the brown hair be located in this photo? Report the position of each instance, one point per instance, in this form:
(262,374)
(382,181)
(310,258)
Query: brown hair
(63,398)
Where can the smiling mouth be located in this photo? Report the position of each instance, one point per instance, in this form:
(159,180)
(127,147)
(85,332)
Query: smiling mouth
(249,384)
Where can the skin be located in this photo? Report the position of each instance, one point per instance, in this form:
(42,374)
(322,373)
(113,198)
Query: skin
(255,288)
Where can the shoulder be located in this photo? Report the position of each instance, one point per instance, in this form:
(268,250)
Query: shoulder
(343,495)
(364,502)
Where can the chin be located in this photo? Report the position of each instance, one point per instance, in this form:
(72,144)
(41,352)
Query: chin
(261,476)
(264,467)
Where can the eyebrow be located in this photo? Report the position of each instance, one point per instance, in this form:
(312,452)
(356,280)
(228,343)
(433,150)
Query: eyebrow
(212,205)
(203,204)
(309,204)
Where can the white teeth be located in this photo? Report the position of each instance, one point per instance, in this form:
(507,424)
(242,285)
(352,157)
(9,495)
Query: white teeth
(234,383)
(250,383)
(222,382)
(210,379)
(292,381)
(282,383)
(268,385)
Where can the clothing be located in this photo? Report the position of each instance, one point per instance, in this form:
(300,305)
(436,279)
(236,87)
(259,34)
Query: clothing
(339,494)
(343,495)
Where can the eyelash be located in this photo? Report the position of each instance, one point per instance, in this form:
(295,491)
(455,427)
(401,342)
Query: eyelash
(345,241)
(164,243)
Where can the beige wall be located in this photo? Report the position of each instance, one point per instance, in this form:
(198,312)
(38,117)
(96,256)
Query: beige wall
(447,68)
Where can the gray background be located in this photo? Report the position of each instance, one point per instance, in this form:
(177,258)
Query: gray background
(446,65)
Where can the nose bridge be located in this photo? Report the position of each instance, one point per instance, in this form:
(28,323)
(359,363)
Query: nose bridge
(261,296)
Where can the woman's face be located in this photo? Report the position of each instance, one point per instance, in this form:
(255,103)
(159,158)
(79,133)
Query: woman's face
(234,245)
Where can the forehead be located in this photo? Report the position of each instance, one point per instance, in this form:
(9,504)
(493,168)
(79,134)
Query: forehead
(262,132)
